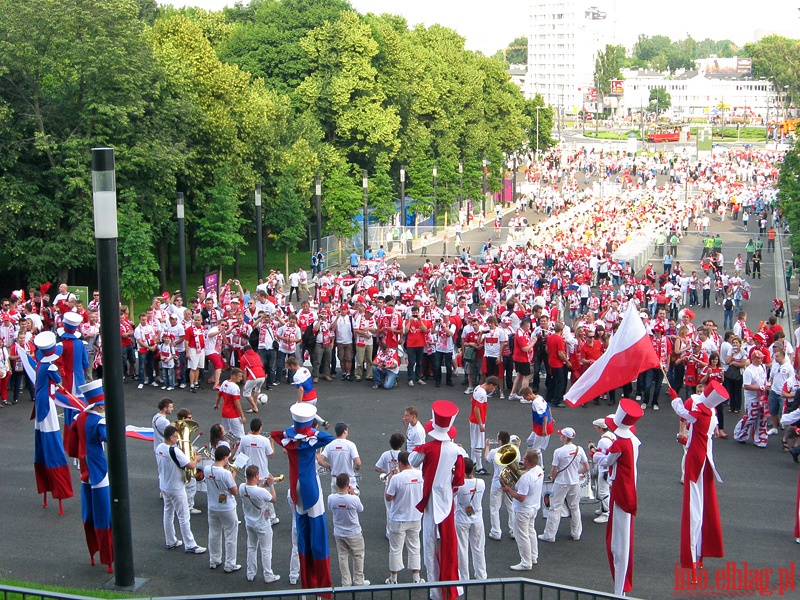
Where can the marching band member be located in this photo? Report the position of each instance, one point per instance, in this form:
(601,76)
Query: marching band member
(527,495)
(222,521)
(258,506)
(469,524)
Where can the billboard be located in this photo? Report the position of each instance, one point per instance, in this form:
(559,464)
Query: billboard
(617,87)
(729,66)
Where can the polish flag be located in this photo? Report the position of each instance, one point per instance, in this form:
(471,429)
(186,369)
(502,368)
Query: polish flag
(629,353)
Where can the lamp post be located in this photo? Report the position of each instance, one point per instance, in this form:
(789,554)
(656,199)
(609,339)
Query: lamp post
(403,207)
(483,185)
(460,183)
(182,245)
(318,194)
(365,183)
(435,174)
(104,192)
(538,108)
(259,235)
(514,178)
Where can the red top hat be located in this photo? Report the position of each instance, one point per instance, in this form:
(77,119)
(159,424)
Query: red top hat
(441,426)
(628,412)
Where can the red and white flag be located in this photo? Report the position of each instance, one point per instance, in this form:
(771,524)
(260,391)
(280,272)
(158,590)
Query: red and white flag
(629,353)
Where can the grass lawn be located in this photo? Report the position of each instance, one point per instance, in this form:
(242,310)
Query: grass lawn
(58,589)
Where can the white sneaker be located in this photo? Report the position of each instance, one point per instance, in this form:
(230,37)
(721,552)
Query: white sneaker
(275,521)
(421,382)
(502,396)
(599,511)
(644,405)
(195,511)
(182,386)
(293,580)
(602,518)
(514,396)
(272,578)
(655,407)
(195,550)
(468,391)
(232,568)
(411,383)
(391,581)
(140,386)
(366,582)
(520,567)
(773,431)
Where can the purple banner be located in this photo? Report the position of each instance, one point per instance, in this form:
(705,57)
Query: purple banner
(211,283)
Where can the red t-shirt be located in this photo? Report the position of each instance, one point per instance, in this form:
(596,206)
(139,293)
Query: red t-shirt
(554,344)
(415,338)
(230,392)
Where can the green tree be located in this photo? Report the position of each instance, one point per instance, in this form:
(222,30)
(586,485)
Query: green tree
(218,233)
(789,194)
(137,264)
(660,100)
(777,59)
(648,48)
(342,200)
(540,126)
(516,53)
(608,66)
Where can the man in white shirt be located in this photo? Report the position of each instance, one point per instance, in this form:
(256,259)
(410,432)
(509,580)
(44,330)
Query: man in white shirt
(258,506)
(343,326)
(569,462)
(341,457)
(345,506)
(222,521)
(780,371)
(258,448)
(403,493)
(754,422)
(415,432)
(496,495)
(171,464)
(527,496)
(469,524)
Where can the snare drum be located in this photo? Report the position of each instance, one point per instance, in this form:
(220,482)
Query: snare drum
(547,491)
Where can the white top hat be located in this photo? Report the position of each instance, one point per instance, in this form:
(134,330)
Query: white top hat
(714,394)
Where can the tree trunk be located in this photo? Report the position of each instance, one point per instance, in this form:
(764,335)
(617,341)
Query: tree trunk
(162,263)
(63,274)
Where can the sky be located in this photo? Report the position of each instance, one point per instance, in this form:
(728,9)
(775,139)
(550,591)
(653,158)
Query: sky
(489,27)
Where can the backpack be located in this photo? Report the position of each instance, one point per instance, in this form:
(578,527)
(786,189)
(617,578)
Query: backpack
(309,338)
(728,304)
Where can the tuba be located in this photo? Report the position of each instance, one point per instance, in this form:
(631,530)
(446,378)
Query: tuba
(507,456)
(186,429)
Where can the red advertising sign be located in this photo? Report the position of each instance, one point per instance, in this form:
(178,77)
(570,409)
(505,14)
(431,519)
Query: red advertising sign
(617,87)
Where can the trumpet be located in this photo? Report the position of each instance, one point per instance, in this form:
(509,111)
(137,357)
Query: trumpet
(278,479)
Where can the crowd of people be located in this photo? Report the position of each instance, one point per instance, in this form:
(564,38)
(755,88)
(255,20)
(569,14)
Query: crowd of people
(525,320)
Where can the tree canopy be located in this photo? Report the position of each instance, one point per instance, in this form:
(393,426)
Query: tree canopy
(210,103)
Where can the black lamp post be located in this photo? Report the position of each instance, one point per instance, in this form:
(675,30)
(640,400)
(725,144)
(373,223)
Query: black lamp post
(365,182)
(104,196)
(435,177)
(182,247)
(460,183)
(259,235)
(318,193)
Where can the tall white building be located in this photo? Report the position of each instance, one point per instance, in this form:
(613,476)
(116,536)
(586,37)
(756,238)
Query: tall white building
(564,38)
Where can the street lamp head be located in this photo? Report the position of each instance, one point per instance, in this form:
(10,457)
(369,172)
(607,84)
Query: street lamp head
(180,205)
(258,194)
(460,167)
(318,185)
(402,174)
(365,180)
(435,170)
(104,187)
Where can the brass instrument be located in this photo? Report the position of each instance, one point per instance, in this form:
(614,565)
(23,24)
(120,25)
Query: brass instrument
(186,429)
(232,440)
(507,456)
(278,479)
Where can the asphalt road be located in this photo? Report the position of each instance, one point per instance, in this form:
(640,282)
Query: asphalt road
(757,498)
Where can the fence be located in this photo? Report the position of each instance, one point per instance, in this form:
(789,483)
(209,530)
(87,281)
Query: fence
(490,589)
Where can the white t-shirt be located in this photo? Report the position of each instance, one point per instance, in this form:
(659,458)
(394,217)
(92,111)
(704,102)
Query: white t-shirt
(563,459)
(341,453)
(256,505)
(530,486)
(257,448)
(388,461)
(345,509)
(160,423)
(220,481)
(779,373)
(415,436)
(170,477)
(753,375)
(406,487)
(177,331)
(496,469)
(469,498)
(492,340)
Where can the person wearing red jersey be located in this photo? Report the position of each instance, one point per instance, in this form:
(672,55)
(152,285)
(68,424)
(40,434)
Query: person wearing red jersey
(523,346)
(229,395)
(695,362)
(126,336)
(415,329)
(323,349)
(559,364)
(477,421)
(195,351)
(215,341)
(254,377)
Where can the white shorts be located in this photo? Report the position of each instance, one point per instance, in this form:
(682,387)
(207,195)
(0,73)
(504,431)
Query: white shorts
(252,386)
(477,438)
(235,426)
(194,358)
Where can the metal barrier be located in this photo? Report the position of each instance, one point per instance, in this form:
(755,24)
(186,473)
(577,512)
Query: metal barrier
(516,588)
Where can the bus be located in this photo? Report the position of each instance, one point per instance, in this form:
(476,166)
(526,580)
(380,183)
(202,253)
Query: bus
(667,133)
